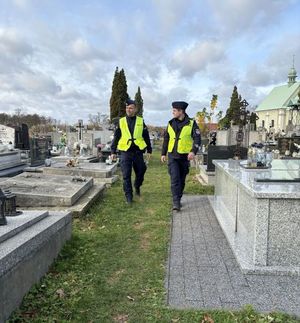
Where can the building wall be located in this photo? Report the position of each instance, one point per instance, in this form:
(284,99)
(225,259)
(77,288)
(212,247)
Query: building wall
(280,117)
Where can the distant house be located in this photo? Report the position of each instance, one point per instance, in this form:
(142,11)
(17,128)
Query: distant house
(274,110)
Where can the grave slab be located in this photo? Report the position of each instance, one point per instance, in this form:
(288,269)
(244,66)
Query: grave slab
(81,159)
(95,170)
(29,245)
(35,189)
(10,163)
(82,204)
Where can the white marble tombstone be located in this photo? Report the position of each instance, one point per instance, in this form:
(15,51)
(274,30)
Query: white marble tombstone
(7,135)
(222,137)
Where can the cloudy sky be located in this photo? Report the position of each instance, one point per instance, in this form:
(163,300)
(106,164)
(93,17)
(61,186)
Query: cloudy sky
(58,57)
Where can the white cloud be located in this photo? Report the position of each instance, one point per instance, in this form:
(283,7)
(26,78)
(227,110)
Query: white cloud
(170,13)
(197,57)
(258,75)
(14,50)
(238,15)
(80,48)
(12,43)
(274,69)
(62,63)
(37,83)
(21,4)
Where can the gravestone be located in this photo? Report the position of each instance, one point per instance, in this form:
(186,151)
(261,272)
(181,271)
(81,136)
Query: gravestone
(88,139)
(38,151)
(222,137)
(222,152)
(72,138)
(22,137)
(55,138)
(104,135)
(257,136)
(232,134)
(7,135)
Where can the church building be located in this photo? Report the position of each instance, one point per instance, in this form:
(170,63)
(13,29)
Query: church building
(275,111)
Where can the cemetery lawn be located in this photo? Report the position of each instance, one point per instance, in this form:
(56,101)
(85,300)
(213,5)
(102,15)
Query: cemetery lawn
(113,268)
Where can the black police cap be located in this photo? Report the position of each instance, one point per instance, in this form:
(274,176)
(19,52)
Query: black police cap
(179,105)
(129,102)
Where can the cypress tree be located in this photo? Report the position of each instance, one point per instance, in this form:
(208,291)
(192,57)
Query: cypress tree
(139,102)
(232,113)
(123,95)
(234,107)
(253,118)
(118,95)
(114,99)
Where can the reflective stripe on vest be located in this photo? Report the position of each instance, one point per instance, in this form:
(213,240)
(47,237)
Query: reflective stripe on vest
(185,140)
(126,138)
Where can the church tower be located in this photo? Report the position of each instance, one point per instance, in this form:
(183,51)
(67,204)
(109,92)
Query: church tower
(292,74)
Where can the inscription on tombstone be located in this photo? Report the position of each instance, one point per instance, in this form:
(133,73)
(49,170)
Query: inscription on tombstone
(38,151)
(7,135)
(88,139)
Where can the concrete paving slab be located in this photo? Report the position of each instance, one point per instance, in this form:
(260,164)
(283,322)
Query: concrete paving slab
(204,274)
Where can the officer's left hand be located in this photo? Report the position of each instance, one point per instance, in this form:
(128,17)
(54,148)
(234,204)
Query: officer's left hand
(191,156)
(148,156)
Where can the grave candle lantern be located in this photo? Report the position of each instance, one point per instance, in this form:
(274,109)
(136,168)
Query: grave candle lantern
(2,208)
(10,204)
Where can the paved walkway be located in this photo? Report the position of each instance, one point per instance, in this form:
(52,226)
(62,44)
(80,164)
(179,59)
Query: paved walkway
(204,274)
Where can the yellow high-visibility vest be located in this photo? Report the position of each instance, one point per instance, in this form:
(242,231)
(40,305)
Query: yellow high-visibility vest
(126,139)
(185,140)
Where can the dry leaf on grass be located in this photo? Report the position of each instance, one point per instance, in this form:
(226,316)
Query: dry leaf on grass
(121,318)
(207,319)
(130,298)
(60,292)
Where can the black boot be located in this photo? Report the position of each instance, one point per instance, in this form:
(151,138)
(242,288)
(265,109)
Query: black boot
(138,191)
(176,206)
(129,200)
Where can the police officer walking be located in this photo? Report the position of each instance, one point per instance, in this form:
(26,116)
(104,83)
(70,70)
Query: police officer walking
(131,138)
(181,141)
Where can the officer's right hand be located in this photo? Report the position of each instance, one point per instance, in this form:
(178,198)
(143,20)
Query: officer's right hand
(163,158)
(113,156)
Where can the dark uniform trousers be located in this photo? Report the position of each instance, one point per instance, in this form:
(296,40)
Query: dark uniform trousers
(135,160)
(178,169)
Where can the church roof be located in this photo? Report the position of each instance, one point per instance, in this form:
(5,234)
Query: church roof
(280,97)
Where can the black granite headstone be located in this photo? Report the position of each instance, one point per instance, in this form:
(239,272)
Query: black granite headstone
(222,152)
(38,151)
(22,137)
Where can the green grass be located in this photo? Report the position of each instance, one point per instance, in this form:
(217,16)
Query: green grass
(113,268)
